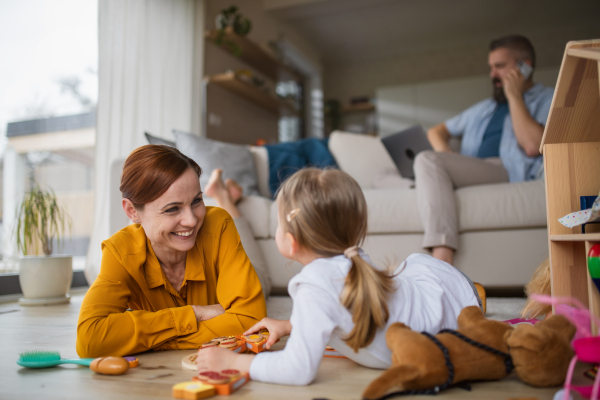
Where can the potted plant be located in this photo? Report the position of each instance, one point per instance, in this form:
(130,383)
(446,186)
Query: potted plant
(44,278)
(230,17)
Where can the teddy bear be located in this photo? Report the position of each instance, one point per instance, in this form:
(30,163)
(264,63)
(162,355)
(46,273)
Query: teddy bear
(541,353)
(418,362)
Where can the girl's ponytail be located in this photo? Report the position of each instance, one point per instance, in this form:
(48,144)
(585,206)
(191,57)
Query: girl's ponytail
(326,211)
(365,294)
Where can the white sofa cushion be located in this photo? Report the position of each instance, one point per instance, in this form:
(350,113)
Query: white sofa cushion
(502,206)
(363,157)
(482,207)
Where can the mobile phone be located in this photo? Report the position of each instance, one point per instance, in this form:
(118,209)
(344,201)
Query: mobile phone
(525,69)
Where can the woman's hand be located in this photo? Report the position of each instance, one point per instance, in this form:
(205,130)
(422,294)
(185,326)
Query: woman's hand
(216,359)
(277,329)
(204,313)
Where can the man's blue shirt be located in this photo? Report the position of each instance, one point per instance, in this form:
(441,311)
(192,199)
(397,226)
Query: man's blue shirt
(472,123)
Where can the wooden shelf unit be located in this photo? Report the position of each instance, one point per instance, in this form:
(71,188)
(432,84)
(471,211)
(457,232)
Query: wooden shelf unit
(250,92)
(571,149)
(587,237)
(361,107)
(254,55)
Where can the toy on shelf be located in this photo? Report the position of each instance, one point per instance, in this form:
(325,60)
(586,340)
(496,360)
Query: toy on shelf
(586,345)
(593,263)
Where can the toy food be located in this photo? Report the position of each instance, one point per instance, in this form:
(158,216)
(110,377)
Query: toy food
(193,390)
(254,338)
(110,365)
(542,352)
(223,382)
(419,363)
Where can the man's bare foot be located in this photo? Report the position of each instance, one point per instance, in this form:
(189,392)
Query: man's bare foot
(216,189)
(443,253)
(234,189)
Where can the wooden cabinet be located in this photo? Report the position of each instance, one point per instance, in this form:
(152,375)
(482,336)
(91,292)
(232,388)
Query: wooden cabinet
(571,149)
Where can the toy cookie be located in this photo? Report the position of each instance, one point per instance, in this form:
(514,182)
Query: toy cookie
(110,365)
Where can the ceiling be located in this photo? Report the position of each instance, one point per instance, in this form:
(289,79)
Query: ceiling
(361,30)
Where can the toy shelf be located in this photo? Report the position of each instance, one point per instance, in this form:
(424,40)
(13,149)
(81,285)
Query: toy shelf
(250,92)
(576,237)
(571,149)
(253,55)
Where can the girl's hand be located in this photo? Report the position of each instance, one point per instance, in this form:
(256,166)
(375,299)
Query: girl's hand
(216,359)
(204,313)
(277,329)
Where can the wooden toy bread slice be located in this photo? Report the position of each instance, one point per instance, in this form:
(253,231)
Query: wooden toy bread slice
(229,340)
(212,343)
(255,338)
(189,362)
(193,390)
(110,365)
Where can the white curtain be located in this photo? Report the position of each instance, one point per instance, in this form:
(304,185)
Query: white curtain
(150,52)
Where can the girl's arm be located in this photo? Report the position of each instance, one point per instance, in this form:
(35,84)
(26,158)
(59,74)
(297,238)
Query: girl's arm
(313,320)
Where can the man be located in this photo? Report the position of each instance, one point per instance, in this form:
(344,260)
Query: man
(501,138)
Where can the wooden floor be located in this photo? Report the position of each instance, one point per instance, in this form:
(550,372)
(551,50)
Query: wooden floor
(54,328)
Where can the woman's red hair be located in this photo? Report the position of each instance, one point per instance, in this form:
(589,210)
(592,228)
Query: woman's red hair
(150,170)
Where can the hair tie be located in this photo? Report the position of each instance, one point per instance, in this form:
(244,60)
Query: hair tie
(292,214)
(351,251)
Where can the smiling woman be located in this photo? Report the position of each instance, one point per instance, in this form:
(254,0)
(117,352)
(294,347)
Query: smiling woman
(178,276)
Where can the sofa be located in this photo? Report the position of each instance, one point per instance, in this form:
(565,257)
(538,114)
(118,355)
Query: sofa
(503,235)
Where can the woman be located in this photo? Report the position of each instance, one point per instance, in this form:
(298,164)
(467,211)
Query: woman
(178,276)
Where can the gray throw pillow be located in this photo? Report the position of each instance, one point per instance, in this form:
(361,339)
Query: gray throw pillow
(235,159)
(156,140)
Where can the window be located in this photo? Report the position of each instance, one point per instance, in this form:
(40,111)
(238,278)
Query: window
(47,112)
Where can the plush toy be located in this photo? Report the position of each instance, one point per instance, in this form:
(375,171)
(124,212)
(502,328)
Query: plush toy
(541,353)
(419,363)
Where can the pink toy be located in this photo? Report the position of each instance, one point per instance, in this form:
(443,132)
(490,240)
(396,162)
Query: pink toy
(586,346)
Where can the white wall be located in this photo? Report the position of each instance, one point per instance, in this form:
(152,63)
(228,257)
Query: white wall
(429,103)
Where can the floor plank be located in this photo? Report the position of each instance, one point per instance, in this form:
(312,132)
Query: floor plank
(54,328)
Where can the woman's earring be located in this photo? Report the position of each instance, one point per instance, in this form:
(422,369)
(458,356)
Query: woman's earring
(136,222)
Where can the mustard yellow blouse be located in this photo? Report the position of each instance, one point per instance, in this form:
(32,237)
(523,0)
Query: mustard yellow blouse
(159,317)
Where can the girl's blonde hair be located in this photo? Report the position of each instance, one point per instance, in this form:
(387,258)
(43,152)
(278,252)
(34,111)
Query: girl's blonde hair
(326,212)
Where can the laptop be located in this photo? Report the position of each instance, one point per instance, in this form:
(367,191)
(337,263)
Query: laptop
(404,147)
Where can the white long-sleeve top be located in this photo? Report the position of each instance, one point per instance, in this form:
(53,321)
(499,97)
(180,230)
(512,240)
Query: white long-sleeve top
(429,296)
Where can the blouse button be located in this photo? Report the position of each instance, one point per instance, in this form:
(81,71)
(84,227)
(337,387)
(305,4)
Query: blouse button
(182,328)
(189,327)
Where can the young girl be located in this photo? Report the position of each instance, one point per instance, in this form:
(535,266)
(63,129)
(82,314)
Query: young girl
(339,298)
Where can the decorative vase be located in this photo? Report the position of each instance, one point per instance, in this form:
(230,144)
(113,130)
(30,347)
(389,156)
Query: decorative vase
(45,280)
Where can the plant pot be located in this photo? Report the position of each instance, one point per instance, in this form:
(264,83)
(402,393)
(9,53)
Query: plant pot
(45,279)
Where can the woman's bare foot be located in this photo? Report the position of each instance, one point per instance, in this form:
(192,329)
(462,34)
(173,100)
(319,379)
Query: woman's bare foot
(234,189)
(216,189)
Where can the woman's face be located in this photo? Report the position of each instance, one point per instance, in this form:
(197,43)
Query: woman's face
(173,221)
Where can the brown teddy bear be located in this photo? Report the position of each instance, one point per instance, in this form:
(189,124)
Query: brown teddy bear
(542,352)
(418,362)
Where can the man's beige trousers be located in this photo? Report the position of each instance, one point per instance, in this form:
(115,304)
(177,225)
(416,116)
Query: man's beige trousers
(437,174)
